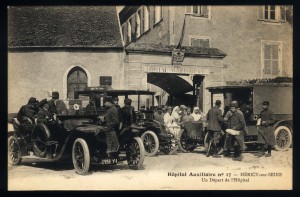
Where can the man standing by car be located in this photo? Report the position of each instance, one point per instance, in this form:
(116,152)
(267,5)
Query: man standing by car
(237,123)
(116,103)
(266,135)
(158,115)
(214,119)
(129,115)
(111,116)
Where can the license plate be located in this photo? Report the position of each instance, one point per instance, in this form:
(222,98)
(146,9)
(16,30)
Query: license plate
(108,161)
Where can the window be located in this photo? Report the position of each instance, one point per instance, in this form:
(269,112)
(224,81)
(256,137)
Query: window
(128,31)
(199,41)
(146,18)
(76,80)
(157,10)
(272,13)
(199,10)
(138,24)
(271,54)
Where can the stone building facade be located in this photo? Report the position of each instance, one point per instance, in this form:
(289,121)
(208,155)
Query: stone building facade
(62,49)
(256,42)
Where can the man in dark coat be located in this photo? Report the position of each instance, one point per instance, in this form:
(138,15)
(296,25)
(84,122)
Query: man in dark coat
(266,135)
(27,113)
(111,116)
(52,103)
(214,119)
(236,122)
(116,103)
(44,115)
(129,115)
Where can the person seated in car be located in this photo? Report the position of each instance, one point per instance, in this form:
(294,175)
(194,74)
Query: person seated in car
(56,106)
(27,113)
(158,115)
(44,115)
(129,115)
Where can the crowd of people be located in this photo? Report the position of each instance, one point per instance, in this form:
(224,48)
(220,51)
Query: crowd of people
(118,119)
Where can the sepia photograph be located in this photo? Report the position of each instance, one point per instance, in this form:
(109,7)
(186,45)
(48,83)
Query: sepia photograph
(150,97)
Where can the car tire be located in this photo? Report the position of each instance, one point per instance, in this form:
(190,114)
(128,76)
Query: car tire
(81,156)
(135,154)
(283,138)
(14,151)
(151,143)
(182,145)
(39,136)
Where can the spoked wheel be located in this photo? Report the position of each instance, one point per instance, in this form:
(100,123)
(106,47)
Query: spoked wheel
(150,142)
(283,138)
(81,156)
(220,146)
(170,148)
(40,135)
(135,153)
(14,151)
(185,144)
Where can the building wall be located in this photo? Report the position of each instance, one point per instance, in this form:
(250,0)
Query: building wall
(136,75)
(237,31)
(38,73)
(234,30)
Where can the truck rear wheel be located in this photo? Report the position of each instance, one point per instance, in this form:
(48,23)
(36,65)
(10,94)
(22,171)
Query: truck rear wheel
(283,138)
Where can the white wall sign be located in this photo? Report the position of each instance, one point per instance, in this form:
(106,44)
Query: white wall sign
(176,69)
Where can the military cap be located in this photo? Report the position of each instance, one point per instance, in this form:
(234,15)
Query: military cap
(32,100)
(183,107)
(234,104)
(108,99)
(266,103)
(127,101)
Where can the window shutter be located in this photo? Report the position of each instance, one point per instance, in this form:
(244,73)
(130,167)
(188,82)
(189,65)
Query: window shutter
(188,9)
(260,12)
(283,13)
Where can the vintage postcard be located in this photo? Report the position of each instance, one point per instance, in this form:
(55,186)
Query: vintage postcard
(150,97)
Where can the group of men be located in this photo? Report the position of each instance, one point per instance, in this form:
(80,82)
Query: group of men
(237,129)
(39,111)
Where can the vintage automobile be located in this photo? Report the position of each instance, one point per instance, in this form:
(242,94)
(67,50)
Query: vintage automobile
(250,99)
(75,136)
(153,134)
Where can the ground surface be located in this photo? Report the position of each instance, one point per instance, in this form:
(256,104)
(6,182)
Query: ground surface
(164,172)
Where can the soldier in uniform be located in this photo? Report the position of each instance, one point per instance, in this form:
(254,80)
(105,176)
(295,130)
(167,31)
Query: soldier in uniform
(158,115)
(214,118)
(27,113)
(129,115)
(44,115)
(111,116)
(237,122)
(116,103)
(266,135)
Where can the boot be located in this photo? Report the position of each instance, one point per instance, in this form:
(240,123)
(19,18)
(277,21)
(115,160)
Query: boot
(260,154)
(268,155)
(227,153)
(238,158)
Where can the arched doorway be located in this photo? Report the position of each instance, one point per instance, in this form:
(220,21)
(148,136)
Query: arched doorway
(76,80)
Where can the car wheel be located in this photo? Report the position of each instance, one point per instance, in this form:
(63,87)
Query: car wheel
(283,138)
(14,151)
(185,144)
(40,135)
(151,143)
(135,153)
(170,148)
(81,156)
